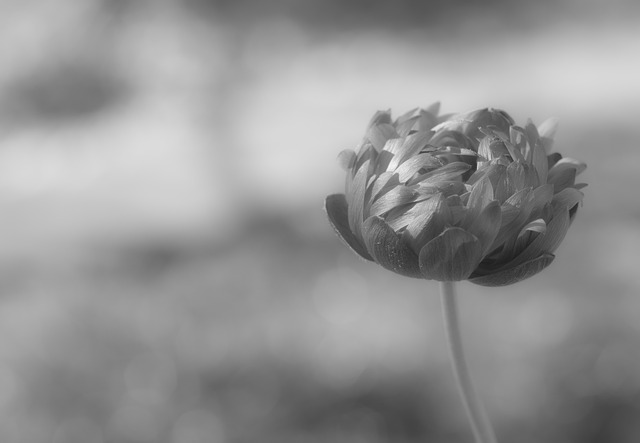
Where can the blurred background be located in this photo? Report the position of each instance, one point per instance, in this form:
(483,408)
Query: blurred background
(167,273)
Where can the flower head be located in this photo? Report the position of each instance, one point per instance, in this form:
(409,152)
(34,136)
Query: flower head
(469,196)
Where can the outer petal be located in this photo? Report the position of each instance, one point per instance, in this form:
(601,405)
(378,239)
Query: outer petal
(515,274)
(547,242)
(336,207)
(486,226)
(451,256)
(356,198)
(389,250)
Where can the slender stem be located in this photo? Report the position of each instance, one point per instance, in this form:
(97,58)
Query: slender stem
(480,425)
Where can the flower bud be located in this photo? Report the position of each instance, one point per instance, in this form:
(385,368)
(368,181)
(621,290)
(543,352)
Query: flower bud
(448,198)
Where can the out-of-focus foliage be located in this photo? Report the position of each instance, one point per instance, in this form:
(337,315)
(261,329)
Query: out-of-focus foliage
(167,273)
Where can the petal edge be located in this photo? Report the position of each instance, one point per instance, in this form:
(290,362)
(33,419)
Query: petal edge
(336,207)
(515,274)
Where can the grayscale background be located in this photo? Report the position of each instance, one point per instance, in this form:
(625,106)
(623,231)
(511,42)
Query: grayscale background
(167,272)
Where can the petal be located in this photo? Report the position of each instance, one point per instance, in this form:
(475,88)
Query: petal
(451,256)
(427,120)
(511,182)
(541,196)
(380,117)
(493,170)
(413,165)
(433,108)
(355,199)
(515,274)
(388,249)
(491,147)
(404,127)
(518,138)
(383,183)
(545,243)
(416,214)
(515,213)
(379,134)
(452,138)
(567,163)
(336,207)
(553,158)
(480,196)
(540,162)
(514,152)
(446,188)
(346,159)
(366,154)
(548,128)
(454,151)
(426,220)
(529,233)
(567,198)
(565,178)
(533,135)
(409,147)
(470,122)
(547,131)
(447,172)
(409,115)
(486,225)
(398,196)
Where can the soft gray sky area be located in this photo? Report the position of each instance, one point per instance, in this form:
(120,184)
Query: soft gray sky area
(168,273)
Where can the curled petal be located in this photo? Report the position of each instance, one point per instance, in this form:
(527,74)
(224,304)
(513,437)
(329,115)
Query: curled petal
(388,249)
(451,256)
(336,207)
(544,243)
(515,274)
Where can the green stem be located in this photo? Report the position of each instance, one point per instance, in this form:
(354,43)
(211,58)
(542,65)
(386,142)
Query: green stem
(480,425)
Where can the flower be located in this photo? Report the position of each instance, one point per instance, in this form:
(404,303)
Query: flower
(448,198)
